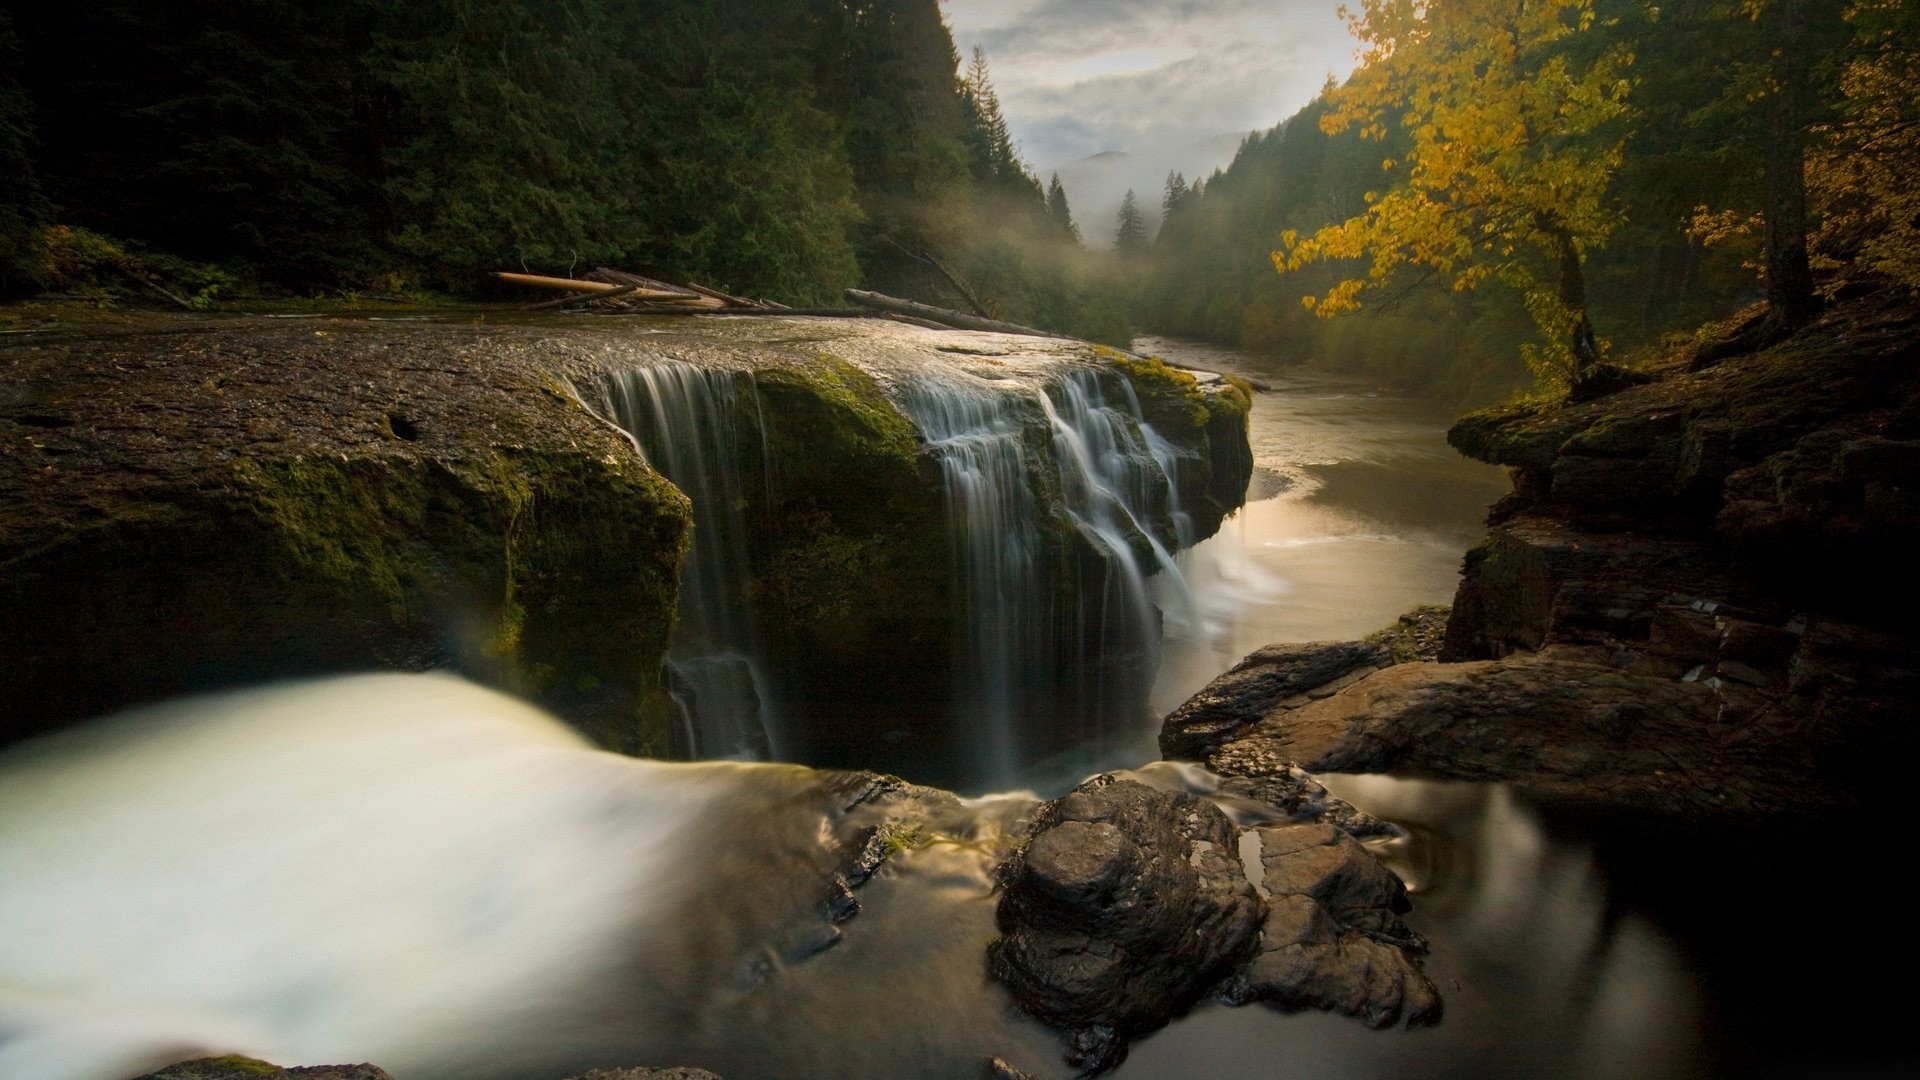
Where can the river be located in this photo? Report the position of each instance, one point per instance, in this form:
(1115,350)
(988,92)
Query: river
(417,872)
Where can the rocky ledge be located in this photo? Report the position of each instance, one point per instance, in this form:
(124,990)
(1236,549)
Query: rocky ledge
(193,504)
(1690,603)
(1129,904)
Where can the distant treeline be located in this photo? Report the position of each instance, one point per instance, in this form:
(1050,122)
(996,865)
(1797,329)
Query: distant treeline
(1688,193)
(777,148)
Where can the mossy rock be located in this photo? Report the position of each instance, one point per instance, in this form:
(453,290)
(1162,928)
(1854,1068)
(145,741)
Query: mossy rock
(253,502)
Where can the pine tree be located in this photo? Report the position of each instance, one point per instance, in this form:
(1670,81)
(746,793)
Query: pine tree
(1057,209)
(1176,193)
(1130,232)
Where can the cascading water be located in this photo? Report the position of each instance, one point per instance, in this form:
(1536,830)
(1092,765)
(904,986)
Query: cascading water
(1058,620)
(1060,505)
(1000,582)
(691,423)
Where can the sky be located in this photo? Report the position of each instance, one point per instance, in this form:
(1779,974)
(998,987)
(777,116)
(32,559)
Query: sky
(1081,77)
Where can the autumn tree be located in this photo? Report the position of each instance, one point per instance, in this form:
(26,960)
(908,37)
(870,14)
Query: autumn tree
(1512,135)
(1862,163)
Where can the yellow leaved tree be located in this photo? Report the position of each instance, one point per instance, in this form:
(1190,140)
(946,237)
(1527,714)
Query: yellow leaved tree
(1514,116)
(1861,169)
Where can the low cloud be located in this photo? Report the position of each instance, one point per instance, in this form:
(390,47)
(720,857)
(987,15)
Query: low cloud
(1078,77)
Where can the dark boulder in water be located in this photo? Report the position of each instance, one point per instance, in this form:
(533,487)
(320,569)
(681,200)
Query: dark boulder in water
(1131,904)
(1125,909)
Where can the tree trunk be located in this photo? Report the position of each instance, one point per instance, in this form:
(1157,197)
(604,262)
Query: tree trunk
(1573,294)
(1789,277)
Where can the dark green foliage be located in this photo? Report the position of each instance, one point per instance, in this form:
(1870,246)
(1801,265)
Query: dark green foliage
(778,148)
(22,207)
(234,130)
(1130,228)
(1058,210)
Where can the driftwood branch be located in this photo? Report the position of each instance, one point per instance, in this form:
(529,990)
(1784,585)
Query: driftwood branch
(959,286)
(958,320)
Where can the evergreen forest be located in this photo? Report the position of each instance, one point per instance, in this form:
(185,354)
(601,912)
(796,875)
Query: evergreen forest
(784,149)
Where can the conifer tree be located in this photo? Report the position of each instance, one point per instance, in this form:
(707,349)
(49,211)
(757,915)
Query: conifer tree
(1176,193)
(1130,228)
(1057,208)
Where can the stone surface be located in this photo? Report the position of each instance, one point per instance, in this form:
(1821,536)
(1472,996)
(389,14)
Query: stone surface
(1571,728)
(676,1073)
(194,504)
(1129,904)
(1267,680)
(1126,908)
(646,1075)
(245,1068)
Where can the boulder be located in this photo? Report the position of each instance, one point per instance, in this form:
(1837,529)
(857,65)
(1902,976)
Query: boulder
(1130,904)
(1127,906)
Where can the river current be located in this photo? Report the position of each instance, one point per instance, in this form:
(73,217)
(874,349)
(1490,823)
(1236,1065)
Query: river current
(416,872)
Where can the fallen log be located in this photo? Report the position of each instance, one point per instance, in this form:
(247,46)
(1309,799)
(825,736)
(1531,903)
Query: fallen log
(634,289)
(565,284)
(958,320)
(583,298)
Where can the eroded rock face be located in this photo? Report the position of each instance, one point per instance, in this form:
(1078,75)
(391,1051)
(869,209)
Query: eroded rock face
(1131,904)
(1689,604)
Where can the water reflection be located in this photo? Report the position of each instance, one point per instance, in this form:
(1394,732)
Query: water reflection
(1358,512)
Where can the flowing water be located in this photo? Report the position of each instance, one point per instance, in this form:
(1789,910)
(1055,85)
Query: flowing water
(1055,642)
(1358,512)
(421,873)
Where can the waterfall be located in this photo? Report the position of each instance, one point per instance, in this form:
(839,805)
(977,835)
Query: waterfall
(1061,504)
(1060,636)
(694,425)
(978,433)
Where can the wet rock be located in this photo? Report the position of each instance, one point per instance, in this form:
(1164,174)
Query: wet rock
(1128,905)
(1576,729)
(676,1073)
(1354,975)
(1272,679)
(246,1068)
(1283,792)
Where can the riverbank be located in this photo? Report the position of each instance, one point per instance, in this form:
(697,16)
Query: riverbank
(1687,604)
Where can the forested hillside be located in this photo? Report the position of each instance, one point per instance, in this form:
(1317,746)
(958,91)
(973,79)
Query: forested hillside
(779,148)
(1666,131)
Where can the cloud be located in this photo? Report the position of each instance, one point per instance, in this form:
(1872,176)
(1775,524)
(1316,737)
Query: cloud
(1076,77)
